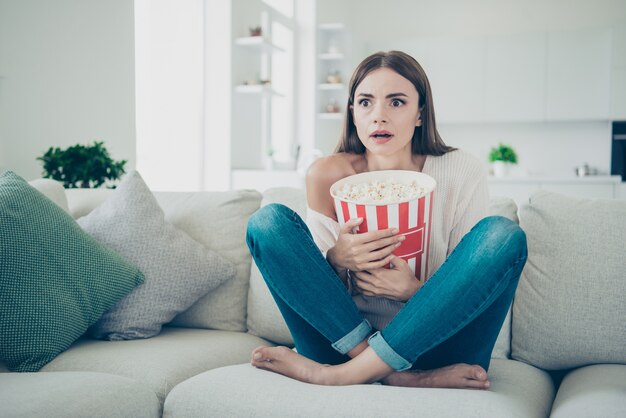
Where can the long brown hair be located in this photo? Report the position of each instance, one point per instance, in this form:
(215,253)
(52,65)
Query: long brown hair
(426,140)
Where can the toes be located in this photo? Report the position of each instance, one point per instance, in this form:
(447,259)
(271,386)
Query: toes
(478,373)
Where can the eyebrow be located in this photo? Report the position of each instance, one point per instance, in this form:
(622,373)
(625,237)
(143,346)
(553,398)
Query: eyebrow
(389,96)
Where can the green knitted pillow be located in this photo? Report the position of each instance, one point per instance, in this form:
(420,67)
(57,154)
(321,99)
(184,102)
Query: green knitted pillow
(55,280)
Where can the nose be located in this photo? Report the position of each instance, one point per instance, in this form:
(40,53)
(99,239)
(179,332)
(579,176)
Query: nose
(379,114)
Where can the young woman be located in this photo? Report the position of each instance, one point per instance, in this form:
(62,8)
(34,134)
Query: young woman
(354,321)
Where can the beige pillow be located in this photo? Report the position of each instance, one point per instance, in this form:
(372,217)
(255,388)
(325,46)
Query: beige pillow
(570,309)
(217,220)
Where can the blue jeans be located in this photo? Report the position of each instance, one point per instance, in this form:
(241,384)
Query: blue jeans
(455,317)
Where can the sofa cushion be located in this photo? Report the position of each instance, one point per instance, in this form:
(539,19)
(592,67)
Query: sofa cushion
(266,321)
(569,307)
(517,390)
(217,220)
(75,394)
(178,270)
(160,362)
(592,391)
(53,190)
(55,279)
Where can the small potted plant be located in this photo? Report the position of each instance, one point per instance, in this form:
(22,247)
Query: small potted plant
(255,31)
(501,158)
(82,166)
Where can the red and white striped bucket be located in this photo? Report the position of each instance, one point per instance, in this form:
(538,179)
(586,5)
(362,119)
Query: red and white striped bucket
(412,217)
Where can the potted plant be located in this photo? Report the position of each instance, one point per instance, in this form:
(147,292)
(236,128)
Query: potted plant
(81,166)
(501,158)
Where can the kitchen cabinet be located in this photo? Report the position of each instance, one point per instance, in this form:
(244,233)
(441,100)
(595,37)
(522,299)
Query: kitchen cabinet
(455,69)
(520,189)
(578,75)
(515,78)
(618,74)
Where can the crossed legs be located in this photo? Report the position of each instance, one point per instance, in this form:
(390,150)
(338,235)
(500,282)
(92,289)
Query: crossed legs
(446,330)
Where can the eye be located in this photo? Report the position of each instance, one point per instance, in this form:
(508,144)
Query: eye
(364,102)
(397,102)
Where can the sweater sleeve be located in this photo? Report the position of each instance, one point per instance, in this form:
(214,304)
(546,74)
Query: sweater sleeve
(325,231)
(472,203)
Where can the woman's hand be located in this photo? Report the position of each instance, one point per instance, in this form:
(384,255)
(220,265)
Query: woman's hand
(366,251)
(397,283)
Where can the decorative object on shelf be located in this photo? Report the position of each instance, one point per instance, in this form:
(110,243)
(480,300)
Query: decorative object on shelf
(81,166)
(501,158)
(255,31)
(584,170)
(332,106)
(333,48)
(333,77)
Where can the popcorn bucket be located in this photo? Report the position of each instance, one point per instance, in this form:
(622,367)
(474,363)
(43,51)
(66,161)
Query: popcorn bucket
(412,216)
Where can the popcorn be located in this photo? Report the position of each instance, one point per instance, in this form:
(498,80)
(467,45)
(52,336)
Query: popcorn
(401,199)
(381,192)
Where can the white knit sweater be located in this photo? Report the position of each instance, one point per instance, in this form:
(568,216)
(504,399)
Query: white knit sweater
(460,201)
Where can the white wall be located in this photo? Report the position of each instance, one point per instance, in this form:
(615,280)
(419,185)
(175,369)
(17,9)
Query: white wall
(66,77)
(545,148)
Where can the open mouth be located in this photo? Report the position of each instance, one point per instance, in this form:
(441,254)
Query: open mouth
(381,136)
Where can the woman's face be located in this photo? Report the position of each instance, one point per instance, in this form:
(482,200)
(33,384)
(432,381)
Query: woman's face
(386,112)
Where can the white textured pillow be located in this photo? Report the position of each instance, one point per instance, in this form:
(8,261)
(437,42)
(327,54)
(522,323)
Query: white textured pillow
(178,270)
(569,308)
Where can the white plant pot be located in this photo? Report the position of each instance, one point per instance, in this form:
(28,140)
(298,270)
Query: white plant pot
(500,168)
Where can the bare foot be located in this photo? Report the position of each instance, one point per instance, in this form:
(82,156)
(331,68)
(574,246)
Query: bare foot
(461,376)
(287,362)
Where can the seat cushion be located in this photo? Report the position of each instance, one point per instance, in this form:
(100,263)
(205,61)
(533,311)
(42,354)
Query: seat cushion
(161,362)
(517,390)
(569,307)
(75,394)
(592,391)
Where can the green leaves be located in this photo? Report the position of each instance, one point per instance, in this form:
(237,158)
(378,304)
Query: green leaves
(503,153)
(81,166)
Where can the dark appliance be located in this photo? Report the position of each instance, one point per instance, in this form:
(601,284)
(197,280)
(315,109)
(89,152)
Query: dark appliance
(618,149)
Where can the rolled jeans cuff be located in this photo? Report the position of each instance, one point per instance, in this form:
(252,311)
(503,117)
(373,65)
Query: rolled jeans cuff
(388,354)
(353,338)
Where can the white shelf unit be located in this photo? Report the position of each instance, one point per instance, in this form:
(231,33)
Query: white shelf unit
(254,91)
(258,42)
(330,116)
(332,59)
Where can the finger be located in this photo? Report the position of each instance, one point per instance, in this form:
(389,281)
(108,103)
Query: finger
(365,286)
(384,252)
(378,264)
(384,242)
(398,263)
(376,235)
(350,225)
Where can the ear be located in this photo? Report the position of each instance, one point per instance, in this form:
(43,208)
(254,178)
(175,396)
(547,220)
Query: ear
(418,121)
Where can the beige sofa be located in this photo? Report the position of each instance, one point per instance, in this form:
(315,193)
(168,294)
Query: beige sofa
(198,365)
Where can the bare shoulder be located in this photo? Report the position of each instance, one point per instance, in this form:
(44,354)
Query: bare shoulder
(322,174)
